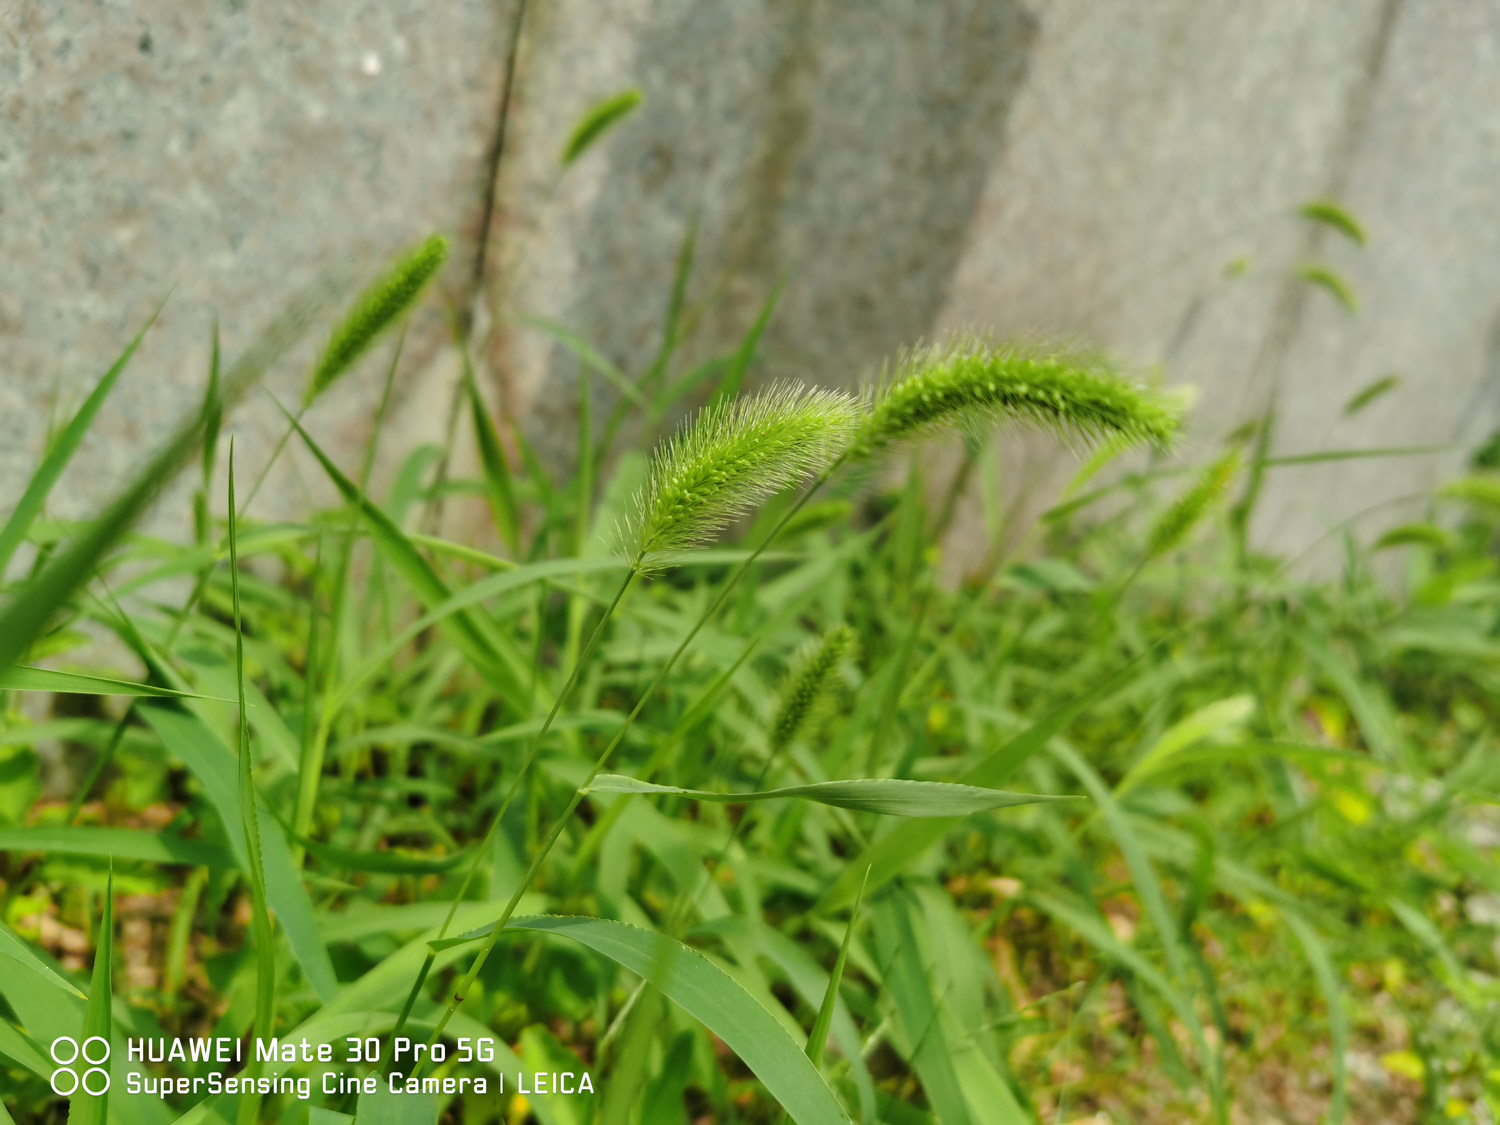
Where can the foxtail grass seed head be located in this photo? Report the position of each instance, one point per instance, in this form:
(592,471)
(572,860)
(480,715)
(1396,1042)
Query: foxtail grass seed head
(734,456)
(971,383)
(807,692)
(1174,525)
(375,310)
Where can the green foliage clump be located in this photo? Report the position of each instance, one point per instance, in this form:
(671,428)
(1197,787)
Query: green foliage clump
(1280,877)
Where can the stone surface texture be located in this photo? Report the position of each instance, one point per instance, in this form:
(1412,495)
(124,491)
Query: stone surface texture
(902,170)
(222,153)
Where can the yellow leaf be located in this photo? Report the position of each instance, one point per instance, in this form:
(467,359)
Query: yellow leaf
(1354,808)
(1405,1063)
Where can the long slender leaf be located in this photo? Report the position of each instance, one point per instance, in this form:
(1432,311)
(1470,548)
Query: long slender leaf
(886,795)
(122,843)
(88,1107)
(13,534)
(73,683)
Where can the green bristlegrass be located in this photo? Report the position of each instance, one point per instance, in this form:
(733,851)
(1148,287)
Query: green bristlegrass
(1336,217)
(601,117)
(1332,282)
(375,310)
(808,691)
(1188,510)
(731,458)
(970,383)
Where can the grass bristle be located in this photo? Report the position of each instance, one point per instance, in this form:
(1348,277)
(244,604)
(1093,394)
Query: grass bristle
(970,382)
(734,456)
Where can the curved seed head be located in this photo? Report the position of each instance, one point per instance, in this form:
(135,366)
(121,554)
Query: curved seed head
(734,456)
(971,382)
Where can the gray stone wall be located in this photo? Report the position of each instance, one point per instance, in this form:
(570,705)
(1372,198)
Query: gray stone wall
(902,169)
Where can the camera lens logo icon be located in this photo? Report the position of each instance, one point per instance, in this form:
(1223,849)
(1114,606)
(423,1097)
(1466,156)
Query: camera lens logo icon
(90,1056)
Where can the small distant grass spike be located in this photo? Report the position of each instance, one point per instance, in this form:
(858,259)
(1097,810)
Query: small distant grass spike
(1174,525)
(734,456)
(375,310)
(1480,491)
(1325,277)
(1366,395)
(601,117)
(971,382)
(1333,215)
(808,689)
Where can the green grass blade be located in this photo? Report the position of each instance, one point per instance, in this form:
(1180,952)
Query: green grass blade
(265,948)
(384,862)
(896,850)
(35,496)
(817,1041)
(1338,1020)
(711,996)
(20,1049)
(30,608)
(888,796)
(1370,392)
(497,475)
(505,670)
(918,1011)
(599,119)
(187,738)
(590,358)
(120,843)
(84,1109)
(72,683)
(739,366)
(16,949)
(1206,722)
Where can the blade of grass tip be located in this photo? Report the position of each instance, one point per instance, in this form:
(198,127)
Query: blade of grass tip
(1244,508)
(497,476)
(35,496)
(212,413)
(599,119)
(734,377)
(90,1105)
(310,768)
(817,1042)
(584,501)
(32,606)
(265,950)
(654,374)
